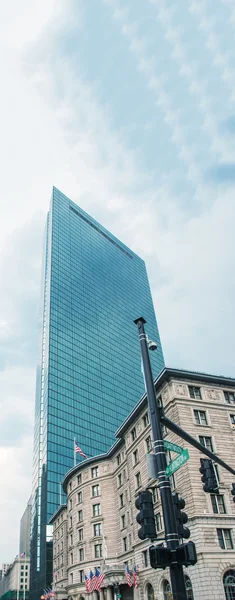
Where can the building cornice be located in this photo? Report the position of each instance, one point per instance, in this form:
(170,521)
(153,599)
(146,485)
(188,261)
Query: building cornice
(166,375)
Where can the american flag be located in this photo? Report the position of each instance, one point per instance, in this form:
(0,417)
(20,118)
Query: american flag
(56,574)
(48,593)
(92,582)
(99,579)
(128,576)
(22,554)
(87,584)
(78,449)
(135,579)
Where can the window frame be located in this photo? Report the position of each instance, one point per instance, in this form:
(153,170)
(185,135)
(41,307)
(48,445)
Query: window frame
(94,472)
(80,514)
(207,437)
(135,457)
(81,553)
(158,521)
(98,554)
(99,510)
(199,412)
(221,536)
(148,443)
(145,558)
(138,480)
(95,495)
(133,434)
(99,525)
(146,419)
(215,504)
(194,392)
(228,393)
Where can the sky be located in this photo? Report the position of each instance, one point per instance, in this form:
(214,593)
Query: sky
(129,109)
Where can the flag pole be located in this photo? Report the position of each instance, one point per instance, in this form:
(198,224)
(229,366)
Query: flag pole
(74,451)
(18,584)
(24,574)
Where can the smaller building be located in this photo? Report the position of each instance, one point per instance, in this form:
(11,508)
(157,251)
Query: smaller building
(24,546)
(5,567)
(15,583)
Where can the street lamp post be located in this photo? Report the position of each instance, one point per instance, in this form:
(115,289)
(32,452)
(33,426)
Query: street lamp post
(171,534)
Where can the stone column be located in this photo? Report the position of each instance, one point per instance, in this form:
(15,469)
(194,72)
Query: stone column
(136,593)
(101,594)
(95,595)
(109,593)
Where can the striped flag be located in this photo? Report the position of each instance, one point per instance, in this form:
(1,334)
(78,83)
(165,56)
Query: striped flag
(92,582)
(135,579)
(78,449)
(87,584)
(128,576)
(22,554)
(99,579)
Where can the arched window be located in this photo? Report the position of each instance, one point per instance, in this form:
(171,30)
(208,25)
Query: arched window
(150,592)
(229,584)
(189,588)
(167,590)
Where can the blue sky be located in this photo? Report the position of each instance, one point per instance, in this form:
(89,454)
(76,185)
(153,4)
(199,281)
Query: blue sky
(129,109)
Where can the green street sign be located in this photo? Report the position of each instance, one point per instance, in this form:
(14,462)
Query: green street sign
(175,464)
(118,595)
(173,447)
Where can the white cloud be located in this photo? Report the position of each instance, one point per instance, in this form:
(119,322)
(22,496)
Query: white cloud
(54,130)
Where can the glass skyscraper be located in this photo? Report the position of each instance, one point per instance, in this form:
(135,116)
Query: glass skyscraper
(89,368)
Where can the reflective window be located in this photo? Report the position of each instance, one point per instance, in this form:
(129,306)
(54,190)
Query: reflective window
(93,285)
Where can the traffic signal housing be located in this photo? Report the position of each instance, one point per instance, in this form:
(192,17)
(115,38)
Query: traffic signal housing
(181,517)
(145,517)
(160,557)
(233,491)
(186,554)
(209,477)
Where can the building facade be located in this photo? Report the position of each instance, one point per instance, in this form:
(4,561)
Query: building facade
(97,525)
(5,567)
(15,582)
(89,371)
(24,545)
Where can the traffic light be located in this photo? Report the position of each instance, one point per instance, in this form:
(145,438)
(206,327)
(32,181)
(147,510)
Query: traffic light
(181,517)
(145,517)
(233,491)
(160,557)
(209,477)
(186,554)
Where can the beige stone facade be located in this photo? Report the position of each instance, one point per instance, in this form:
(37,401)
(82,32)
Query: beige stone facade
(97,527)
(15,583)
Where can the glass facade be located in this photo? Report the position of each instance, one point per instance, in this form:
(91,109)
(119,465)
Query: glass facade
(89,369)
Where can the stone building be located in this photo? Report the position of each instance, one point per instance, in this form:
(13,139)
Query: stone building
(15,583)
(97,527)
